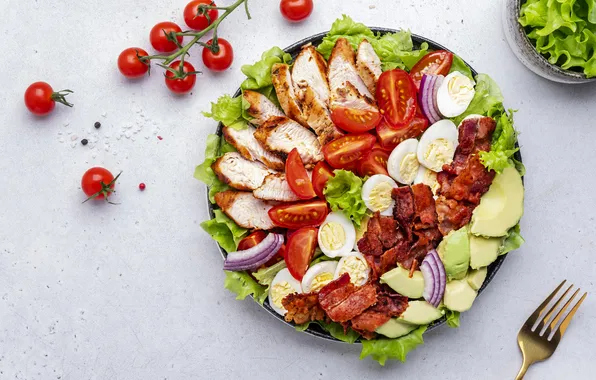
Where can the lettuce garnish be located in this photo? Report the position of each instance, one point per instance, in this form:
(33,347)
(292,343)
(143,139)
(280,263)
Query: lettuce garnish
(343,192)
(398,348)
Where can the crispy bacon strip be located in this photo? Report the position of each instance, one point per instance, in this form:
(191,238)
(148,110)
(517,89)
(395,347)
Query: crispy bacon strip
(388,305)
(303,308)
(382,233)
(342,301)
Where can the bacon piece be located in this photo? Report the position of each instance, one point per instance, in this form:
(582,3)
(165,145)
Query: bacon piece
(404,208)
(388,305)
(425,213)
(388,260)
(452,214)
(341,282)
(354,304)
(303,308)
(471,183)
(381,233)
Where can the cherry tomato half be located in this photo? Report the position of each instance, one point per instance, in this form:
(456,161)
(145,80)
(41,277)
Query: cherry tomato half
(129,64)
(221,60)
(355,120)
(158,36)
(300,250)
(181,85)
(320,175)
(374,162)
(437,63)
(297,176)
(396,96)
(98,183)
(197,21)
(299,214)
(390,137)
(345,151)
(295,10)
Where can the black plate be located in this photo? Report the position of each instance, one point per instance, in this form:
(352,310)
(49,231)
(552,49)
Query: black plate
(294,49)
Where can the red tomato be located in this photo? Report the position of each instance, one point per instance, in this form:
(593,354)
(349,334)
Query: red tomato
(159,36)
(320,175)
(41,99)
(390,137)
(193,17)
(295,10)
(98,183)
(355,120)
(396,96)
(222,59)
(129,64)
(300,214)
(181,85)
(345,151)
(297,176)
(252,240)
(375,162)
(300,250)
(437,63)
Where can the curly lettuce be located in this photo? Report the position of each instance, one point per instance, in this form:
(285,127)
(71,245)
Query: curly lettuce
(258,75)
(458,64)
(241,284)
(266,275)
(334,329)
(214,148)
(343,192)
(223,230)
(514,240)
(452,318)
(383,349)
(228,111)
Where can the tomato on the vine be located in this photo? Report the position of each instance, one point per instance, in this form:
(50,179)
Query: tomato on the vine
(436,63)
(159,36)
(396,96)
(295,10)
(198,21)
(98,183)
(41,99)
(177,84)
(221,60)
(129,63)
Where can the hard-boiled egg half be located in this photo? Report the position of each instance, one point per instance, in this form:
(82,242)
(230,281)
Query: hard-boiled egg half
(455,94)
(376,194)
(402,164)
(437,145)
(427,177)
(336,235)
(356,266)
(283,284)
(318,276)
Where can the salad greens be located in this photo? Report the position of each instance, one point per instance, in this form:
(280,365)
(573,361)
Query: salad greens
(514,240)
(223,230)
(452,318)
(398,348)
(241,284)
(563,31)
(265,276)
(343,192)
(215,147)
(258,75)
(229,111)
(335,329)
(458,64)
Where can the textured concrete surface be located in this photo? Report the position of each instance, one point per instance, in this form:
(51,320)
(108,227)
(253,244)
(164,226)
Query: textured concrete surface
(135,291)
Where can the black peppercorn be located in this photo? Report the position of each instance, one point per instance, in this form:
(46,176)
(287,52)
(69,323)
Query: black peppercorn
(97,125)
(84,141)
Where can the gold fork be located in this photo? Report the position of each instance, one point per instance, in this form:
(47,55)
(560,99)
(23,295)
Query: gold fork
(537,347)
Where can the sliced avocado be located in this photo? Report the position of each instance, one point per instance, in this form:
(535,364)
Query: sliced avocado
(394,328)
(421,313)
(476,278)
(454,251)
(459,295)
(501,207)
(483,251)
(399,280)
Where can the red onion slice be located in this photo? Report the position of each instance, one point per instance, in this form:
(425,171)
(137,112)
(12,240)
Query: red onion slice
(429,281)
(256,256)
(435,269)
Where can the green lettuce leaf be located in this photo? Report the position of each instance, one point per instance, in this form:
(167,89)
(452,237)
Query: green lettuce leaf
(214,148)
(503,146)
(488,99)
(347,28)
(224,230)
(229,111)
(344,193)
(241,284)
(258,75)
(265,276)
(514,240)
(334,329)
(452,318)
(383,349)
(459,65)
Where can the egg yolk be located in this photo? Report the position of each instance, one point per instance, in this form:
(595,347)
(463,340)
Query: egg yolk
(460,89)
(380,196)
(356,268)
(438,153)
(320,280)
(430,179)
(408,168)
(280,291)
(333,236)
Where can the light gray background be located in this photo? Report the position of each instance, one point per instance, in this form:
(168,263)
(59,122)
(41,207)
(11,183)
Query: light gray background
(135,291)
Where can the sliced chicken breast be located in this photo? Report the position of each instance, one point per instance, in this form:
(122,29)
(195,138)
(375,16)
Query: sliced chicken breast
(280,135)
(276,188)
(284,88)
(240,173)
(342,69)
(368,64)
(245,143)
(244,209)
(260,108)
(318,117)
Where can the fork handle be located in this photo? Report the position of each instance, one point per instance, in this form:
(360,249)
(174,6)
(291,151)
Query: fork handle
(523,369)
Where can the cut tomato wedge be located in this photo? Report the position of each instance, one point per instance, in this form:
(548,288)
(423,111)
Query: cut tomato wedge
(300,250)
(436,63)
(396,96)
(300,214)
(297,176)
(355,120)
(320,175)
(390,137)
(347,150)
(375,162)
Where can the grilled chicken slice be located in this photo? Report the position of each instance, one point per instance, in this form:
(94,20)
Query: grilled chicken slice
(244,209)
(260,108)
(276,188)
(284,88)
(245,143)
(240,173)
(368,65)
(280,135)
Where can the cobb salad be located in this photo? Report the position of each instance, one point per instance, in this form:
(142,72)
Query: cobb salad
(365,186)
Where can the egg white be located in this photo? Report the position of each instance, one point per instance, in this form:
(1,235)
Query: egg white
(427,177)
(369,186)
(455,94)
(341,268)
(396,158)
(282,276)
(316,270)
(441,130)
(349,232)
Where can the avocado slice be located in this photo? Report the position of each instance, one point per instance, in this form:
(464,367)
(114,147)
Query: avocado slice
(399,280)
(421,313)
(501,207)
(483,251)
(459,295)
(394,328)
(476,278)
(454,251)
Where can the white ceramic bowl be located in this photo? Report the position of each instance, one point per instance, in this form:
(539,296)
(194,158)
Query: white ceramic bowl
(526,52)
